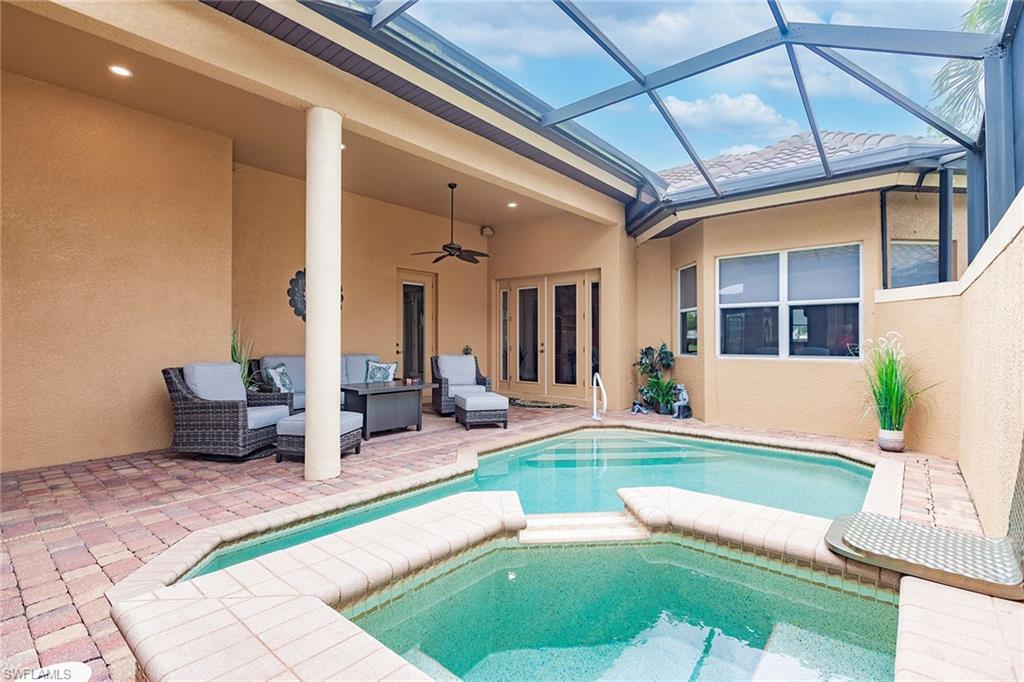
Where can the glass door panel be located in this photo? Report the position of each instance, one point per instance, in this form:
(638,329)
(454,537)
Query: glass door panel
(529,340)
(564,330)
(413,323)
(503,351)
(568,330)
(527,333)
(416,333)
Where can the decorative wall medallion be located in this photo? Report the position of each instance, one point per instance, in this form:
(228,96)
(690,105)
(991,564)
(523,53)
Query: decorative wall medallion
(297,294)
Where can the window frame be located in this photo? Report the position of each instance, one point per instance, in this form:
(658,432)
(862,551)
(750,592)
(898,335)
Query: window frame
(783,305)
(681,311)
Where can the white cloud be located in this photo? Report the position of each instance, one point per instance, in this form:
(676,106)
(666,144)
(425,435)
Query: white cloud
(722,113)
(739,149)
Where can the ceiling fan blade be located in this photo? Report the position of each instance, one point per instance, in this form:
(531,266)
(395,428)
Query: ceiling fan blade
(478,254)
(425,253)
(467,257)
(441,257)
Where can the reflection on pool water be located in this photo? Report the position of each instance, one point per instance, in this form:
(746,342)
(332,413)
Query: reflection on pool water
(637,612)
(581,472)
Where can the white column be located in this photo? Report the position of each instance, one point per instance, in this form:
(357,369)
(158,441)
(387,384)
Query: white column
(323,293)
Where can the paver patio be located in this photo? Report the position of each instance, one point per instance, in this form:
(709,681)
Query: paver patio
(70,532)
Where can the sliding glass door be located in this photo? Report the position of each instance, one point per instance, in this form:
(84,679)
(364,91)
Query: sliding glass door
(528,319)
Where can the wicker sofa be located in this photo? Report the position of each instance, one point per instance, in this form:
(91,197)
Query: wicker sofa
(452,374)
(353,371)
(230,421)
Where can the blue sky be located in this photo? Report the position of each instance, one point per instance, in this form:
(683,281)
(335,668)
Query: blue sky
(739,107)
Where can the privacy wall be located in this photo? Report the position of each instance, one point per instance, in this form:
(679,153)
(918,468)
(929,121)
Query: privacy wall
(116,253)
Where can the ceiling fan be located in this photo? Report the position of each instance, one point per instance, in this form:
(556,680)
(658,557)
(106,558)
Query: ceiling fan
(451,248)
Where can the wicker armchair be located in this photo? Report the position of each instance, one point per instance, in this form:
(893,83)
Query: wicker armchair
(443,403)
(218,427)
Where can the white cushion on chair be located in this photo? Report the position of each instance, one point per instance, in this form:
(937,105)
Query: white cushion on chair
(475,402)
(215,381)
(465,389)
(457,369)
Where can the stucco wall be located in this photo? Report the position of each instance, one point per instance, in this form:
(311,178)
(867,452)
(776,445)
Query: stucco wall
(807,394)
(377,240)
(116,263)
(569,244)
(992,407)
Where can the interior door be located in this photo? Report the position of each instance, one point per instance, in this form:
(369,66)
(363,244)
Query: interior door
(417,324)
(528,332)
(567,336)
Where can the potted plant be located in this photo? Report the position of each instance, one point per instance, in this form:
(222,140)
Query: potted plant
(655,391)
(889,379)
(241,352)
(661,393)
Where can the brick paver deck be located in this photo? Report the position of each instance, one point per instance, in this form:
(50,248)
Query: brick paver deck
(70,532)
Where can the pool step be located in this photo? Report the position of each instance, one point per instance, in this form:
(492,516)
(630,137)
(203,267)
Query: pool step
(583,527)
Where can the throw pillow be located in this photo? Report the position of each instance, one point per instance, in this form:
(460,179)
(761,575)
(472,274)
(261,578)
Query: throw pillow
(380,371)
(278,376)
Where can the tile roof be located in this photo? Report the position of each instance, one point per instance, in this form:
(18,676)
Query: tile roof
(793,151)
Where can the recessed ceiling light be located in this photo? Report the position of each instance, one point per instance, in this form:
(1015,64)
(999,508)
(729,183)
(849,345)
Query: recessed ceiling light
(512,204)
(118,70)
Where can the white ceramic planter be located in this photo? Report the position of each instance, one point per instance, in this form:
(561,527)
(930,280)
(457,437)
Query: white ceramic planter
(890,441)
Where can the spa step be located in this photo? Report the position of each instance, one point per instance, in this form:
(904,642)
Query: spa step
(586,527)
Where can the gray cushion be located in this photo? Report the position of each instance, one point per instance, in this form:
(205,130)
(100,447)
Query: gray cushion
(295,365)
(465,389)
(457,369)
(481,401)
(299,401)
(295,425)
(353,367)
(267,415)
(216,381)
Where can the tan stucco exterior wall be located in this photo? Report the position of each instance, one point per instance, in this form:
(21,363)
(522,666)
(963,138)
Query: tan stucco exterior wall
(804,394)
(992,395)
(377,240)
(816,395)
(116,263)
(561,244)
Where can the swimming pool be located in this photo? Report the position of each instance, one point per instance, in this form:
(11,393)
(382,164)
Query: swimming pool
(581,471)
(650,611)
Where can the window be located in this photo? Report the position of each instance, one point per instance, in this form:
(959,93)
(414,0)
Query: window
(913,262)
(688,310)
(812,294)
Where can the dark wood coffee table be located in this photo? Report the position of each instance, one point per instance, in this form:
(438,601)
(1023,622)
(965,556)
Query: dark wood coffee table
(386,405)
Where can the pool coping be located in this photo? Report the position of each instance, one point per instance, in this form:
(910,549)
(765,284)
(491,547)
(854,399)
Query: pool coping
(884,496)
(279,613)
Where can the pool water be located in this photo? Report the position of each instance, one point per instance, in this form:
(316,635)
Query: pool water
(581,472)
(632,612)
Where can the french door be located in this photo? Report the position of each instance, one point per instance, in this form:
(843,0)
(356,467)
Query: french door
(528,317)
(417,328)
(547,335)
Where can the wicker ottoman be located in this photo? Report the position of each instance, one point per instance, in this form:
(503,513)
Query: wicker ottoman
(291,434)
(481,408)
